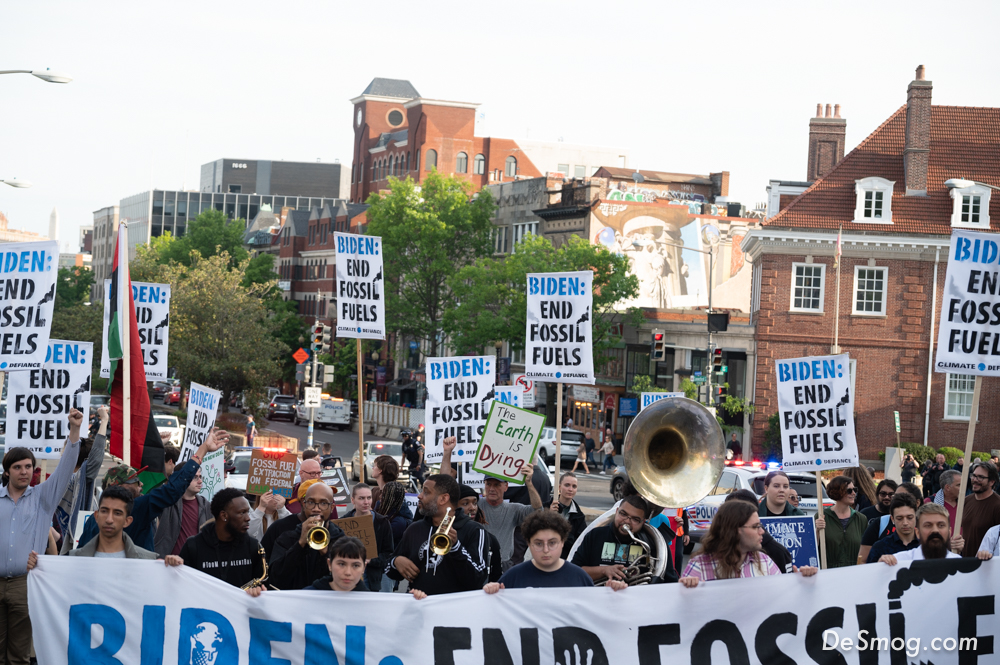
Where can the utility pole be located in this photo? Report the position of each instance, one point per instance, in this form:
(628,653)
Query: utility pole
(320,343)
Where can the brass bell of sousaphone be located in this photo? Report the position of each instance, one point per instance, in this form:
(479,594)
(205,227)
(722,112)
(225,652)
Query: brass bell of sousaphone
(674,452)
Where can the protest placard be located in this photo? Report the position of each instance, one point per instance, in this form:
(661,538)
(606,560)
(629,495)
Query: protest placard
(412,501)
(272,469)
(797,535)
(816,410)
(152,315)
(459,393)
(509,442)
(39,400)
(513,395)
(361,527)
(212,476)
(28,290)
(650,398)
(360,301)
(559,343)
(337,481)
(202,406)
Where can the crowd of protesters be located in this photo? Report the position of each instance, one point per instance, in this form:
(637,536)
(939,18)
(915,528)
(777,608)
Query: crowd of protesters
(266,544)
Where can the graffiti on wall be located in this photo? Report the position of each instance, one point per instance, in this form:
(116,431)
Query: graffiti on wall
(696,203)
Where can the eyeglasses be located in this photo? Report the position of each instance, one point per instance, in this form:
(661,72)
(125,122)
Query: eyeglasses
(853,490)
(885,495)
(547,546)
(756,527)
(310,503)
(625,516)
(978,477)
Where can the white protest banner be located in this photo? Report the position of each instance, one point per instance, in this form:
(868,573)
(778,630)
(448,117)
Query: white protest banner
(969,333)
(559,343)
(212,473)
(816,410)
(512,395)
(459,393)
(203,404)
(39,400)
(509,442)
(28,293)
(360,293)
(941,611)
(649,398)
(152,314)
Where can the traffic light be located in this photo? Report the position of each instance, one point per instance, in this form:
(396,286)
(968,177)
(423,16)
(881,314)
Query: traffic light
(717,361)
(307,372)
(719,395)
(658,352)
(320,338)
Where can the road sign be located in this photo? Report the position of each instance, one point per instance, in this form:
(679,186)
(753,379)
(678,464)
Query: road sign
(313,397)
(725,368)
(301,356)
(698,380)
(896,414)
(528,401)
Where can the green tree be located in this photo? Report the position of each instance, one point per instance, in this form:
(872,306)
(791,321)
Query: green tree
(73,287)
(428,233)
(492,296)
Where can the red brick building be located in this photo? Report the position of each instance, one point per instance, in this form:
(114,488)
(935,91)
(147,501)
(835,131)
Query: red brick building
(399,133)
(889,197)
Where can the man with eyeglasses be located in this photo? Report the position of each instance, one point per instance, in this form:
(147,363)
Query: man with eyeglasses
(879,518)
(981,511)
(732,548)
(546,531)
(294,563)
(607,550)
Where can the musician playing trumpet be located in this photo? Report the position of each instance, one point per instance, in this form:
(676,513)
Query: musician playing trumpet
(299,556)
(431,564)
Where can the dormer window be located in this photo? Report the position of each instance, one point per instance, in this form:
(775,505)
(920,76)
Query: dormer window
(874,201)
(971,207)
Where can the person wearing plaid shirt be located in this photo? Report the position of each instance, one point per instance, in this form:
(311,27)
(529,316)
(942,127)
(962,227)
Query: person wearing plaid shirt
(732,548)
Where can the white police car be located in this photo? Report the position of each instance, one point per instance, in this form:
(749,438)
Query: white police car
(739,475)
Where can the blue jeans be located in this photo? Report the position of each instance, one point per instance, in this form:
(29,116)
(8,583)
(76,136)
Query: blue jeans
(609,462)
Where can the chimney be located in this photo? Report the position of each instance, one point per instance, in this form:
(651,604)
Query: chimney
(917,153)
(826,141)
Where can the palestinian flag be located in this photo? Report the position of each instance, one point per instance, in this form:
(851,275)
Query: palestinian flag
(146,446)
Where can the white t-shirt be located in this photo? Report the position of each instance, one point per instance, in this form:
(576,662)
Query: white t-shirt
(991,541)
(917,554)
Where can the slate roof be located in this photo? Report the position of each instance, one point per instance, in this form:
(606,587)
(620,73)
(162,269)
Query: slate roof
(658,176)
(385,139)
(965,143)
(355,209)
(391,88)
(300,222)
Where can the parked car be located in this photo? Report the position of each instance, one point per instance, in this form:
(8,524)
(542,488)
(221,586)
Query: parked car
(375,449)
(159,389)
(571,440)
(169,425)
(237,478)
(736,476)
(174,396)
(281,406)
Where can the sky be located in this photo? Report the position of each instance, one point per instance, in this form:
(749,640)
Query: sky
(161,88)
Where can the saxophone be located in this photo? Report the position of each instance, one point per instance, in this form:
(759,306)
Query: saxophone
(260,580)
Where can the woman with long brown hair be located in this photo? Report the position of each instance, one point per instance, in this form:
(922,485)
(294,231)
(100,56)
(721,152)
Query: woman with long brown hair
(867,493)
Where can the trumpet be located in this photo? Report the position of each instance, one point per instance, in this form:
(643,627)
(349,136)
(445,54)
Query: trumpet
(318,537)
(440,542)
(260,580)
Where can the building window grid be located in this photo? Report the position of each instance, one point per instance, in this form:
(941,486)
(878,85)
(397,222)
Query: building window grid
(462,163)
(807,287)
(970,209)
(958,396)
(873,204)
(479,165)
(869,290)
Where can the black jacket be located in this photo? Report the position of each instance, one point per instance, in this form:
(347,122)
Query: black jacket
(781,556)
(236,562)
(495,558)
(323,584)
(463,568)
(577,523)
(296,567)
(385,543)
(286,523)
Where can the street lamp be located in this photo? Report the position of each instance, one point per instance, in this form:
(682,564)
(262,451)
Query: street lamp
(14,182)
(45,74)
(962,183)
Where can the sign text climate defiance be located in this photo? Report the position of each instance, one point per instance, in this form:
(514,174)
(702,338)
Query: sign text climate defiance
(360,303)
(969,337)
(559,340)
(27,298)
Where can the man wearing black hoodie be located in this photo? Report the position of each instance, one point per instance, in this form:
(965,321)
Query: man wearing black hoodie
(463,567)
(222,548)
(294,563)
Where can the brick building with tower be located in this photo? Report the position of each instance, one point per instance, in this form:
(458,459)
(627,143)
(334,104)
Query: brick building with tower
(889,197)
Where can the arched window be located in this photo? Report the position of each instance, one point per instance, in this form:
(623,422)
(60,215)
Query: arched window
(407,167)
(510,167)
(479,165)
(354,169)
(374,171)
(462,163)
(416,161)
(432,160)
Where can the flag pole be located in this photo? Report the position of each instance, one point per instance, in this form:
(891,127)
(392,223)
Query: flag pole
(126,367)
(836,318)
(361,416)
(559,424)
(969,437)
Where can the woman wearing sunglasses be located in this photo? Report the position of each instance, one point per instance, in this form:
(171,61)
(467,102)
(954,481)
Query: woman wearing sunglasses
(844,525)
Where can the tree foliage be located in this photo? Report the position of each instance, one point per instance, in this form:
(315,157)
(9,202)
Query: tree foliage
(428,233)
(492,301)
